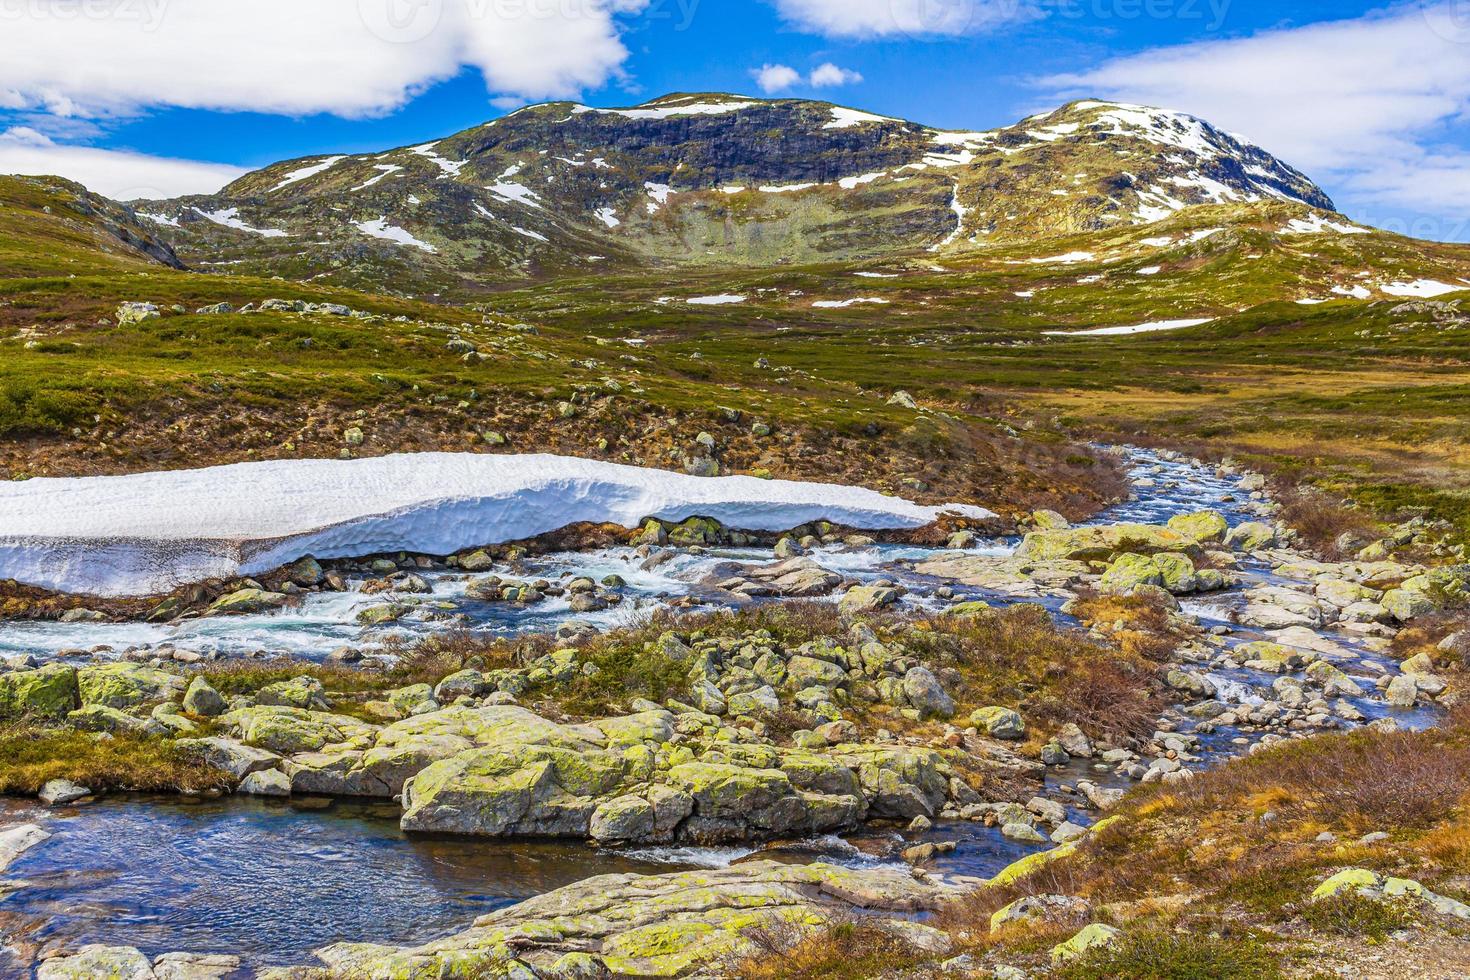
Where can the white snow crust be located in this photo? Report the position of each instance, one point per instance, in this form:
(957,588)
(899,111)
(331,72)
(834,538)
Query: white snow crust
(152,532)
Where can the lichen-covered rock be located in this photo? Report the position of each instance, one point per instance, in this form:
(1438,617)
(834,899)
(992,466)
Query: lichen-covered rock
(998,722)
(46,692)
(624,819)
(868,598)
(1405,604)
(1094,936)
(637,926)
(1372,885)
(266,782)
(926,695)
(1101,543)
(1201,527)
(248,602)
(287,731)
(203,700)
(1251,536)
(298,692)
(126,685)
(101,718)
(230,756)
(97,962)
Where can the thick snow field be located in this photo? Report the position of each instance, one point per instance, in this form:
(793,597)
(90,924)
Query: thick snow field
(152,532)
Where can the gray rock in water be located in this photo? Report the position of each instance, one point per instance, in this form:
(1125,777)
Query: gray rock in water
(267,782)
(60,792)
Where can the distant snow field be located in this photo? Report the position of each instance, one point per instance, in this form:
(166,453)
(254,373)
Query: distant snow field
(723,299)
(151,532)
(1124,331)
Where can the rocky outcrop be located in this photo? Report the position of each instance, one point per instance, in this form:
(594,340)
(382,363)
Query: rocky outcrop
(644,926)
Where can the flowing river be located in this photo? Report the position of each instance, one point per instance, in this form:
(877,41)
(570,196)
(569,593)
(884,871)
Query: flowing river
(272,880)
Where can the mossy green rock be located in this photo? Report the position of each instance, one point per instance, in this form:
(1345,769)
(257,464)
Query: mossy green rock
(125,685)
(47,692)
(1201,527)
(248,601)
(1091,937)
(1101,543)
(998,722)
(96,962)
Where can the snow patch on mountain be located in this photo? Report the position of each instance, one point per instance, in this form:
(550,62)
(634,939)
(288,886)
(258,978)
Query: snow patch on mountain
(149,533)
(1420,288)
(228,218)
(310,170)
(847,118)
(379,228)
(668,110)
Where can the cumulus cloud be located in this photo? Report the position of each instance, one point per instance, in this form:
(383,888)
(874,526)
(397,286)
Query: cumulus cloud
(779,78)
(117,174)
(915,18)
(832,76)
(349,57)
(1375,106)
(776,78)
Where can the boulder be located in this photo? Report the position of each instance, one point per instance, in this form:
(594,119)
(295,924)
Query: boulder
(926,695)
(60,792)
(96,962)
(248,601)
(265,782)
(1091,937)
(230,756)
(622,820)
(203,700)
(298,692)
(1251,536)
(1201,527)
(100,718)
(126,685)
(999,722)
(1101,543)
(868,598)
(47,692)
(16,840)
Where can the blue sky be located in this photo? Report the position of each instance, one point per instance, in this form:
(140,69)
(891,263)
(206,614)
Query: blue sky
(151,97)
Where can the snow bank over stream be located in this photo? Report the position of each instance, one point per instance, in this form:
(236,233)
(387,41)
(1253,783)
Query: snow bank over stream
(152,532)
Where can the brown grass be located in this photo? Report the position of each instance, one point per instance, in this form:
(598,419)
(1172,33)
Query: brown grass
(848,950)
(30,757)
(1321,519)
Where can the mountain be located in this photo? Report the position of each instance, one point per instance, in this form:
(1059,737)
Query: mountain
(712,180)
(50,224)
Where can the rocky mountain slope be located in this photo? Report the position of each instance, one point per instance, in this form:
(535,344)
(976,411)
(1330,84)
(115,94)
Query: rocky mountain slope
(712,179)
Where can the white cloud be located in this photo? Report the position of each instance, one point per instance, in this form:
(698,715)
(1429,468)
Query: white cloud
(779,78)
(776,78)
(831,76)
(114,173)
(1375,107)
(916,18)
(350,57)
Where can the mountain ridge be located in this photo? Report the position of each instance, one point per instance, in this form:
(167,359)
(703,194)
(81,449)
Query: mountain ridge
(714,179)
